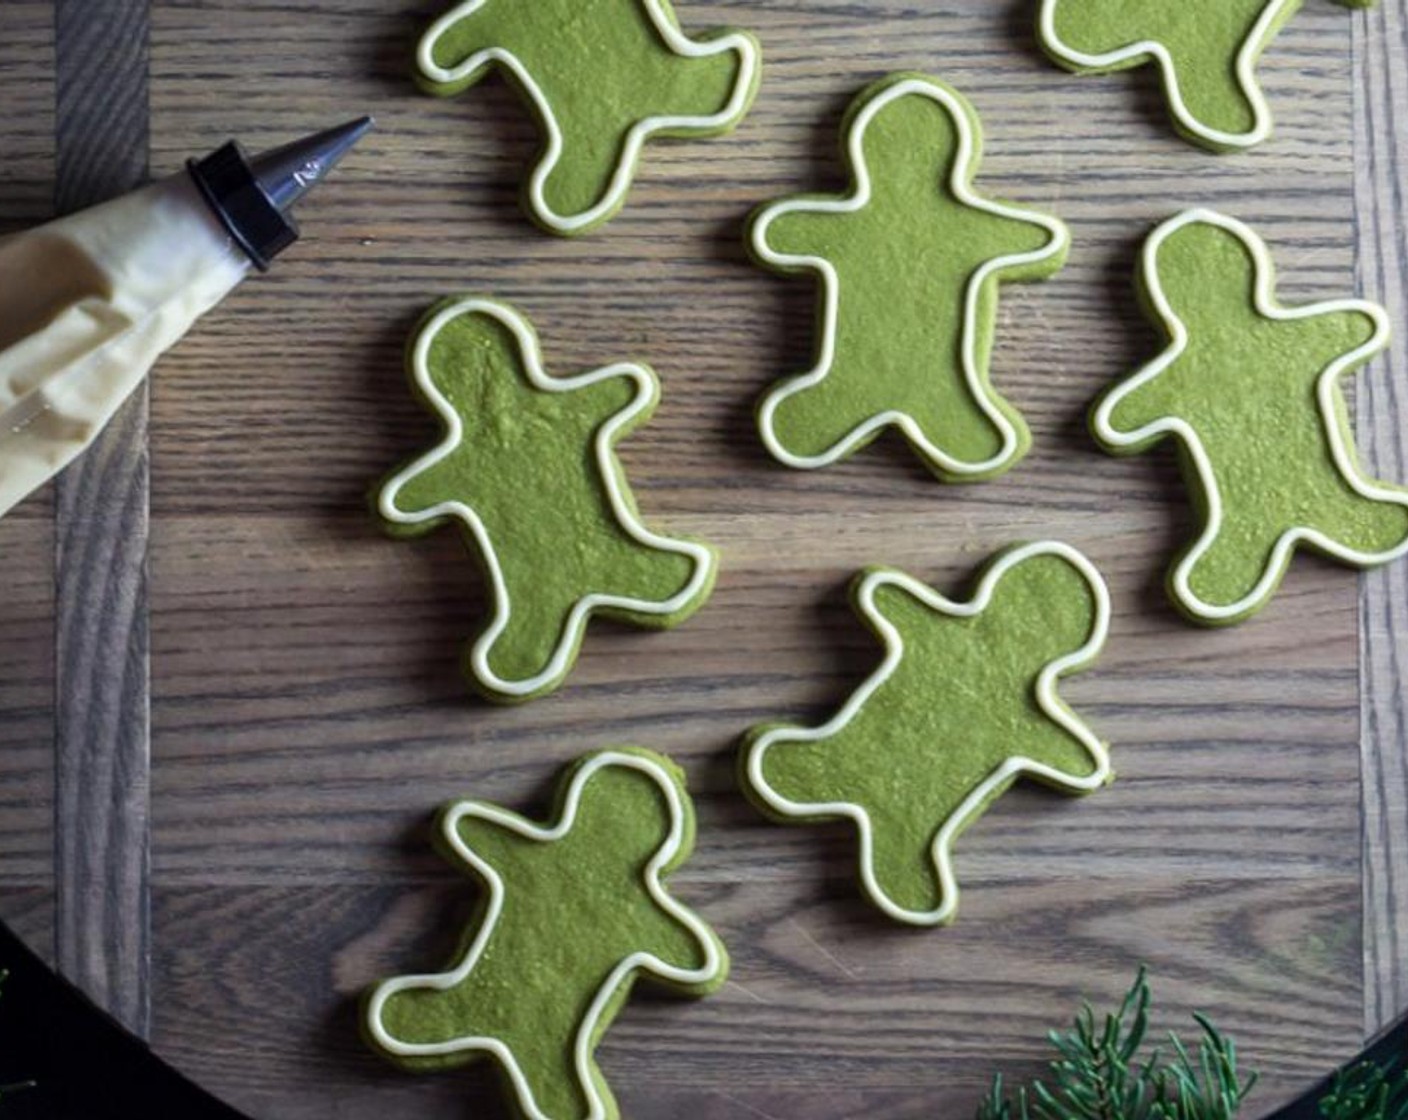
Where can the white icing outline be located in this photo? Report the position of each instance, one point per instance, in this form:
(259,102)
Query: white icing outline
(963,171)
(1151,50)
(1267,307)
(647,389)
(709,973)
(675,39)
(1014,767)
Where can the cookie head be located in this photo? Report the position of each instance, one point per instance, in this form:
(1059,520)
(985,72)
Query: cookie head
(912,147)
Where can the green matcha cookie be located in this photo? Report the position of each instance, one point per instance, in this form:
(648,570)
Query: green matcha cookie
(1250,390)
(1206,50)
(909,264)
(528,469)
(573,913)
(963,704)
(603,77)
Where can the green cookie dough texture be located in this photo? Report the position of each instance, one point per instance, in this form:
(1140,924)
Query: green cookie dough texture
(1250,391)
(574,913)
(528,469)
(963,704)
(909,267)
(1206,50)
(603,77)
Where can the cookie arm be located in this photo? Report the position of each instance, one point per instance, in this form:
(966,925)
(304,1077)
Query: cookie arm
(783,233)
(1034,244)
(715,77)
(695,960)
(490,843)
(453,54)
(1123,419)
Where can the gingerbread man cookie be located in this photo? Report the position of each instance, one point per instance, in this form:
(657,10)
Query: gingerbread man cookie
(1250,391)
(527,468)
(909,264)
(603,78)
(573,913)
(964,703)
(1206,50)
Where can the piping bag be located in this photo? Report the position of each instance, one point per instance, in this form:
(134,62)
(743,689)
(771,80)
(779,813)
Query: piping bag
(89,302)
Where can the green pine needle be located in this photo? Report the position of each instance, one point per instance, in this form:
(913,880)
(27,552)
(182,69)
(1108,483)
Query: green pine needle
(1099,1074)
(1367,1092)
(1208,1087)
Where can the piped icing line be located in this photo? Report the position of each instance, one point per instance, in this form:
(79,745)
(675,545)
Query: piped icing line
(1268,307)
(1016,766)
(1261,35)
(961,184)
(744,45)
(708,973)
(647,391)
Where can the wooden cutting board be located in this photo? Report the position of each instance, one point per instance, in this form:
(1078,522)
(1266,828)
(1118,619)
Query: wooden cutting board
(305,710)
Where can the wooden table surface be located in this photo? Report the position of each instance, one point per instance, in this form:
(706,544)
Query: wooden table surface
(233,890)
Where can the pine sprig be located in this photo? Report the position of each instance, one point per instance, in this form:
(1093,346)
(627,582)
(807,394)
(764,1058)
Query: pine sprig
(1210,1087)
(1099,1073)
(1367,1091)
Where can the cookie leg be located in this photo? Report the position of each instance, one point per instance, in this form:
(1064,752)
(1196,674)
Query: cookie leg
(544,622)
(1229,570)
(601,118)
(598,131)
(703,86)
(896,863)
(589,172)
(654,576)
(903,865)
(557,1089)
(1367,525)
(812,422)
(533,630)
(1214,94)
(426,1017)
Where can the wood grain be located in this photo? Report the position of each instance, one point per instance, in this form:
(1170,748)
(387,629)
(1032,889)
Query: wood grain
(26,535)
(102,727)
(27,126)
(825,1004)
(1381,107)
(307,710)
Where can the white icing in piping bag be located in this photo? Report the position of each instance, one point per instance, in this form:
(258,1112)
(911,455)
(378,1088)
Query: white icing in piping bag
(88,303)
